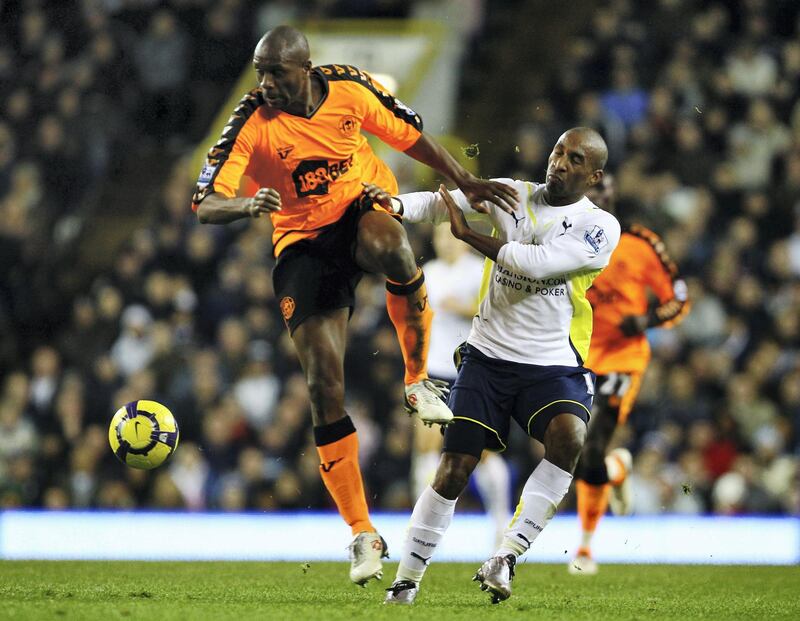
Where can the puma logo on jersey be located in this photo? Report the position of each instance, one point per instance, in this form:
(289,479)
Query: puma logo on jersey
(327,467)
(517,220)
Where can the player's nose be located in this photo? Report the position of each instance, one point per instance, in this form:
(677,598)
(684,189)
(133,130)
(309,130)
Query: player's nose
(267,83)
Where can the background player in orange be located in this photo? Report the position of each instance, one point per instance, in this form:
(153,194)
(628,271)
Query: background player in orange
(640,269)
(298,137)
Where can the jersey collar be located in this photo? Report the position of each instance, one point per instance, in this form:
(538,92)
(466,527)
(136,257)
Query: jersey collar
(325,90)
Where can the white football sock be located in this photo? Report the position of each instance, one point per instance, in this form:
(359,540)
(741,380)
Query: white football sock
(543,492)
(423,469)
(494,486)
(429,521)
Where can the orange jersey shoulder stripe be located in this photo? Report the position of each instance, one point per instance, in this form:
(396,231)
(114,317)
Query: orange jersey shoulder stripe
(639,267)
(219,154)
(317,163)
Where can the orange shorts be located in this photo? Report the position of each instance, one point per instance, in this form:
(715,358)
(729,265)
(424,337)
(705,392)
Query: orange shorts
(621,390)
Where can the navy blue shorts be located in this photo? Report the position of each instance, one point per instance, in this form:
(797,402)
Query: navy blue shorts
(490,392)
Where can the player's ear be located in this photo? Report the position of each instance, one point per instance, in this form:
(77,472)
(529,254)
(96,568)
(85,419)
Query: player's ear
(596,177)
(307,65)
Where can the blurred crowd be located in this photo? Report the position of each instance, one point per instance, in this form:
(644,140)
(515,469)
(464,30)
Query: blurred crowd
(704,136)
(700,105)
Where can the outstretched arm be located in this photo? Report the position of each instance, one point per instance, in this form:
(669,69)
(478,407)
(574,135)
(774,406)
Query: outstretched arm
(431,153)
(422,206)
(216,208)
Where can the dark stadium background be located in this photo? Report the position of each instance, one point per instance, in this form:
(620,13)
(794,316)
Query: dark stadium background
(110,291)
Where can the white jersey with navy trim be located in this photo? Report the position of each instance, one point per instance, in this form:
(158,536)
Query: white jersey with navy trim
(533,306)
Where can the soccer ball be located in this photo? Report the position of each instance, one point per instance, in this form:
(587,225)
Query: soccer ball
(143,434)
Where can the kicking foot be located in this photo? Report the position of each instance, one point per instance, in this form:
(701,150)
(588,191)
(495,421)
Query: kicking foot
(495,576)
(621,498)
(402,592)
(583,564)
(366,552)
(425,398)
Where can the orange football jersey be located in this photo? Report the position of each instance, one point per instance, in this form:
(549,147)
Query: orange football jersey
(316,163)
(640,265)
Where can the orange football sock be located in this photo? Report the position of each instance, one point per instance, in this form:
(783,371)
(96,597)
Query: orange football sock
(407,304)
(592,505)
(337,445)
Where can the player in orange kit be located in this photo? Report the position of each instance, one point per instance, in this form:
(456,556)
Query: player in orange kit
(618,355)
(298,137)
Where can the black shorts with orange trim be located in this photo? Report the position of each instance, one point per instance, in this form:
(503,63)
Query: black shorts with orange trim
(320,274)
(489,393)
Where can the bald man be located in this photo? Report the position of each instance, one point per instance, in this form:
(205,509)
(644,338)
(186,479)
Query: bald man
(298,136)
(524,356)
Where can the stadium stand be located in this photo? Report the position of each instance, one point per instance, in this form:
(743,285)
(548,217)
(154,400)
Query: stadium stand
(704,130)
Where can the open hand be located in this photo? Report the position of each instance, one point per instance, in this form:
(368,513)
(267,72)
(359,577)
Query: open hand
(479,190)
(266,200)
(458,223)
(378,194)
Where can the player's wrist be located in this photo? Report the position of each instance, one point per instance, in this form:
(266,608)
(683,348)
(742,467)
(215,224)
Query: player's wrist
(463,178)
(247,208)
(396,205)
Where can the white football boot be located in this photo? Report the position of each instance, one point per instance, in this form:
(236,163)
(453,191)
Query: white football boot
(495,576)
(402,592)
(582,565)
(425,398)
(366,551)
(621,497)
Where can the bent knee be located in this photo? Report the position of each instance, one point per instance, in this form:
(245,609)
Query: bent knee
(564,440)
(453,473)
(389,252)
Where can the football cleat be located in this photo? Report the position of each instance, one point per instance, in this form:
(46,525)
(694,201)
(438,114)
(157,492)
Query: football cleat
(402,592)
(495,576)
(366,551)
(425,398)
(583,564)
(621,497)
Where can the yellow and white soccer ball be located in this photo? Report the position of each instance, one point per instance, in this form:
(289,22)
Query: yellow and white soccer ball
(143,434)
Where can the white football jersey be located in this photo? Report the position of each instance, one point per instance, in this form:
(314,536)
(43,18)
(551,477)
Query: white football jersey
(533,306)
(460,281)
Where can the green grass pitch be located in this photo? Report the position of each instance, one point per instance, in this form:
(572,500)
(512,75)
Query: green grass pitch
(192,591)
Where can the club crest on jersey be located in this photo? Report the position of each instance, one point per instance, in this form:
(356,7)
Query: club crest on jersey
(206,175)
(283,152)
(348,125)
(595,239)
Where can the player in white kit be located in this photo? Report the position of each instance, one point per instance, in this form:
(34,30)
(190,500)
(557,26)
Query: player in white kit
(524,356)
(454,282)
